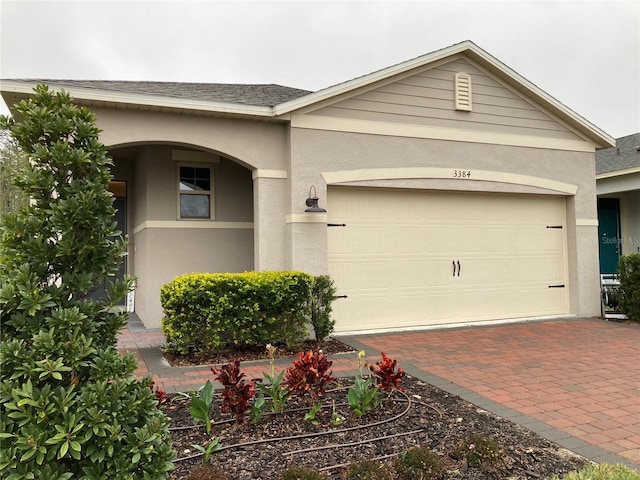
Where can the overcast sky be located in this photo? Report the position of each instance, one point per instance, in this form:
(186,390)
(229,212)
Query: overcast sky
(586,54)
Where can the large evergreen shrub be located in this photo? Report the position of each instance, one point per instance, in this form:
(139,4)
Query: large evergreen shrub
(12,160)
(630,285)
(323,293)
(70,407)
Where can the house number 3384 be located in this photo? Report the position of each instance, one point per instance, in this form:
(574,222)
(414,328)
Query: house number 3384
(462,174)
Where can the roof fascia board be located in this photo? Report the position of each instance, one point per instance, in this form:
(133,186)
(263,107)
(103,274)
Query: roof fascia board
(146,100)
(618,173)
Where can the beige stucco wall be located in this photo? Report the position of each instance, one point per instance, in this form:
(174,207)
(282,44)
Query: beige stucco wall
(277,165)
(255,144)
(317,152)
(262,147)
(164,253)
(269,222)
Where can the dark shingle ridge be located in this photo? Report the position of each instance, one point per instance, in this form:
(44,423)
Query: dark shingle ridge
(261,95)
(625,154)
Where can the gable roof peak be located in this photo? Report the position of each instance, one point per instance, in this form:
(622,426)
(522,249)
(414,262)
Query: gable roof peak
(480,57)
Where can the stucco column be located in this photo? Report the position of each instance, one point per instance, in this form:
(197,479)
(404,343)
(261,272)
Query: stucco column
(588,268)
(307,247)
(269,211)
(582,211)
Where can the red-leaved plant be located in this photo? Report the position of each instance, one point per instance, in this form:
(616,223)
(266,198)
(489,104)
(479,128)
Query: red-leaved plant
(309,375)
(161,395)
(236,392)
(386,375)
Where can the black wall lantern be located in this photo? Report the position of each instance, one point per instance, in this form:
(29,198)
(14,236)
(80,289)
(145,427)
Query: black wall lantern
(312,202)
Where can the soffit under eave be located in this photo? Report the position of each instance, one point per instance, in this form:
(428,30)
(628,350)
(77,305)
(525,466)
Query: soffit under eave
(11,98)
(198,112)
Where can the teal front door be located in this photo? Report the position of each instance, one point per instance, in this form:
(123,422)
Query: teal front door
(609,234)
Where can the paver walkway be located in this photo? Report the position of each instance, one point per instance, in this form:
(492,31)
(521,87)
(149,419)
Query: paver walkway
(576,381)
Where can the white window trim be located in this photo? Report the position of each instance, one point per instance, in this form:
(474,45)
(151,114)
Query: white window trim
(195,192)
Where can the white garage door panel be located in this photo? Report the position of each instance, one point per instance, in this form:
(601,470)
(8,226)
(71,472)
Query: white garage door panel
(394,258)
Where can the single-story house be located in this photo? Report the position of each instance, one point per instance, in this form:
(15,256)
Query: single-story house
(618,189)
(445,189)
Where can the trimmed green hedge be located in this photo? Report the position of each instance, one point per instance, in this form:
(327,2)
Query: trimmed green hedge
(210,311)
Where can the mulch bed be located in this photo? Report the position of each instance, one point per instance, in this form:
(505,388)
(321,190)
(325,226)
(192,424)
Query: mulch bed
(430,416)
(328,346)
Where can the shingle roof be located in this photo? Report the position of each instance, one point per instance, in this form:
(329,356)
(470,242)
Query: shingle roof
(276,102)
(626,154)
(263,95)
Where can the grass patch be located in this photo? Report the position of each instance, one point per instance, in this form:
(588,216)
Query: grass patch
(603,471)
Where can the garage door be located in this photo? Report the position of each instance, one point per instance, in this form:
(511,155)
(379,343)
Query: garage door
(411,258)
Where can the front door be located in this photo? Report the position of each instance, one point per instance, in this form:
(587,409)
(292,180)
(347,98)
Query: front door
(609,234)
(119,190)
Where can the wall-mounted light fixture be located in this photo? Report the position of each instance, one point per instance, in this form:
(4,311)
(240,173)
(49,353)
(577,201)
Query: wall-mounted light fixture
(312,202)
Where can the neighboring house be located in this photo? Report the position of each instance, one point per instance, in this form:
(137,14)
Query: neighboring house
(455,190)
(618,188)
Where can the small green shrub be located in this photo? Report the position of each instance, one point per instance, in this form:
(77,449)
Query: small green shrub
(323,294)
(368,470)
(603,471)
(200,408)
(274,388)
(207,450)
(479,452)
(363,396)
(630,285)
(301,473)
(210,311)
(419,463)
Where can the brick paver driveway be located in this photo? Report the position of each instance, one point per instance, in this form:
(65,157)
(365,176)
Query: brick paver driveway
(581,377)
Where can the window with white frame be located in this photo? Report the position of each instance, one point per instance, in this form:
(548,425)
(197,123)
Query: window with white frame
(195,191)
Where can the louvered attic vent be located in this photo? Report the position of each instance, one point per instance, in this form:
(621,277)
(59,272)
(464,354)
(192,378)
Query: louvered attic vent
(463,92)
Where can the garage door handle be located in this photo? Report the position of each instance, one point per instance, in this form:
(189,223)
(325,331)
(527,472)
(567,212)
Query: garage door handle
(458,267)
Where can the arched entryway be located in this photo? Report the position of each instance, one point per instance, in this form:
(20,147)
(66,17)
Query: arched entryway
(186,210)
